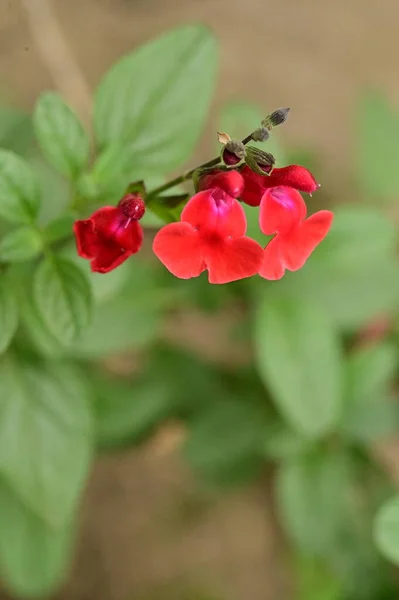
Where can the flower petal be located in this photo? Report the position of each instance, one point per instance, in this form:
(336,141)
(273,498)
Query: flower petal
(253,188)
(214,212)
(281,209)
(109,256)
(86,238)
(129,236)
(298,244)
(233,259)
(230,182)
(105,218)
(272,266)
(178,247)
(293,176)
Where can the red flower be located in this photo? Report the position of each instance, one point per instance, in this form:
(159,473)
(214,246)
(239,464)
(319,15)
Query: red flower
(293,176)
(231,182)
(112,234)
(210,235)
(283,212)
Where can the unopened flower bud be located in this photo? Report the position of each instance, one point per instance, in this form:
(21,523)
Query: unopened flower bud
(132,206)
(260,162)
(233,153)
(278,117)
(261,135)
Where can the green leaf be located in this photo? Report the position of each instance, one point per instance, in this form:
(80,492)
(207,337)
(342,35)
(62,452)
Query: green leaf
(19,190)
(8,313)
(61,135)
(59,228)
(15,130)
(224,442)
(282,443)
(130,319)
(299,359)
(45,436)
(354,273)
(386,530)
(239,119)
(310,497)
(153,103)
(127,412)
(370,412)
(20,245)
(378,146)
(63,298)
(33,557)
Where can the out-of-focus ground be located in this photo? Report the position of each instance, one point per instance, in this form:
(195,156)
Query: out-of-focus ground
(310,55)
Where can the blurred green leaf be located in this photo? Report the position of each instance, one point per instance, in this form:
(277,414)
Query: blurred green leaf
(19,190)
(45,436)
(8,313)
(386,530)
(20,245)
(16,132)
(298,356)
(281,443)
(59,228)
(128,411)
(353,274)
(224,441)
(378,146)
(239,119)
(311,500)
(316,582)
(151,106)
(33,557)
(370,411)
(63,298)
(61,135)
(129,319)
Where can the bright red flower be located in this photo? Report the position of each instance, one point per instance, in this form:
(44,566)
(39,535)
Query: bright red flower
(293,176)
(231,182)
(210,235)
(283,212)
(111,234)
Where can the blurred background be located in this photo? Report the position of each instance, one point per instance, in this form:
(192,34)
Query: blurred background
(193,503)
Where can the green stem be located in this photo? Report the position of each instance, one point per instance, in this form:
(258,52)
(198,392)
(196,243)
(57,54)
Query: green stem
(181,178)
(188,175)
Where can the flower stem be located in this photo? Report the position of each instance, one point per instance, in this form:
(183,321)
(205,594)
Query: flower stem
(188,174)
(181,178)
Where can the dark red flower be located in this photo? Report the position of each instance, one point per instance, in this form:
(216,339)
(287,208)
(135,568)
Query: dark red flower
(111,234)
(283,212)
(210,235)
(293,176)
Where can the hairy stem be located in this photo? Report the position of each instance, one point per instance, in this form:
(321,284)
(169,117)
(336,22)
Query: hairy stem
(188,175)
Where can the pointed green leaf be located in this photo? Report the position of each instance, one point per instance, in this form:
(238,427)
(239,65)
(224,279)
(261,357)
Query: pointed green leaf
(386,530)
(154,101)
(61,135)
(33,557)
(299,360)
(63,297)
(20,244)
(45,436)
(8,313)
(19,189)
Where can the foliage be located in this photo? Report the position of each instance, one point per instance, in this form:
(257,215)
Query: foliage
(311,401)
